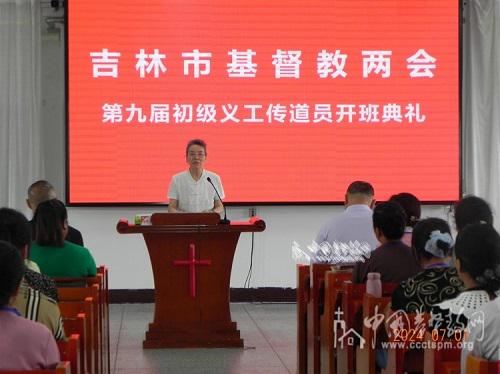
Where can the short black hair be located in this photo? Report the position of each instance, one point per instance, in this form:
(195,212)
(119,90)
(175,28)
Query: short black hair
(11,271)
(422,233)
(411,206)
(361,187)
(472,209)
(199,142)
(390,219)
(478,249)
(49,219)
(14,228)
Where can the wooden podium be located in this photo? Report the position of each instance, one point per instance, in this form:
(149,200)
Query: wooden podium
(191,256)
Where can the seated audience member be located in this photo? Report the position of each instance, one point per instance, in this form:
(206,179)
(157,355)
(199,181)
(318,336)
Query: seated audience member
(472,209)
(24,344)
(55,256)
(393,259)
(484,339)
(439,281)
(355,223)
(411,206)
(42,191)
(15,229)
(477,253)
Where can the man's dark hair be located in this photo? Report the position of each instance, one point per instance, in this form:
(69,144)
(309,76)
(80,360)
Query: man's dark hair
(199,142)
(411,206)
(11,271)
(472,209)
(50,217)
(360,187)
(14,228)
(390,219)
(478,249)
(422,233)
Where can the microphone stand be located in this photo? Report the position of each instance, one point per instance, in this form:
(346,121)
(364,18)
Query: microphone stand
(223,221)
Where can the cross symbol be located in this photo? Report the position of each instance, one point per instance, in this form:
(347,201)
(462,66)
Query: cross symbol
(338,313)
(192,262)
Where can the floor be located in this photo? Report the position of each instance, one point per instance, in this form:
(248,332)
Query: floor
(268,330)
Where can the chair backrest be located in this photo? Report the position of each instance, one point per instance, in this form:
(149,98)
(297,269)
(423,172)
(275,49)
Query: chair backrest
(62,368)
(373,325)
(303,286)
(101,281)
(87,306)
(478,365)
(333,290)
(77,325)
(404,329)
(69,350)
(77,294)
(352,301)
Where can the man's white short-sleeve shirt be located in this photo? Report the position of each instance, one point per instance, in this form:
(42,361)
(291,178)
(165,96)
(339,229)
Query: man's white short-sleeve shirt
(195,196)
(355,223)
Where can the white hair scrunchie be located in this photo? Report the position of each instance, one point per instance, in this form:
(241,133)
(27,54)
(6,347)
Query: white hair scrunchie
(431,244)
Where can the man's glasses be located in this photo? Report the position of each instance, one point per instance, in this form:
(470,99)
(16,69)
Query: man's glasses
(196,154)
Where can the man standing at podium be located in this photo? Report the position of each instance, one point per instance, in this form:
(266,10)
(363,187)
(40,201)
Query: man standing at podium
(191,191)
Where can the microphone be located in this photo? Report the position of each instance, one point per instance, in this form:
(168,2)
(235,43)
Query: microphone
(223,221)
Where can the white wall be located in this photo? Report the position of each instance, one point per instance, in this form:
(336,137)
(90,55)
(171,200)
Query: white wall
(126,255)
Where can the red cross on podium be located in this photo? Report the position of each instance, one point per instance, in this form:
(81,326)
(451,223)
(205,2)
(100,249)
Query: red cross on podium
(192,262)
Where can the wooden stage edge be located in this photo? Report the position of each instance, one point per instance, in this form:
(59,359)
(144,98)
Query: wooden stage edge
(238,295)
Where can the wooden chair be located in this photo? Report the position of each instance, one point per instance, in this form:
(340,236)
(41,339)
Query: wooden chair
(443,360)
(77,325)
(332,296)
(101,280)
(352,302)
(104,298)
(397,356)
(87,306)
(77,295)
(302,299)
(62,368)
(352,306)
(365,356)
(70,351)
(314,310)
(478,365)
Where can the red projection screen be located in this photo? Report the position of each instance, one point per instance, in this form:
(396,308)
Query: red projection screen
(295,99)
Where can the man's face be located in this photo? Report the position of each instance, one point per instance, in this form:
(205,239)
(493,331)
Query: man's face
(196,156)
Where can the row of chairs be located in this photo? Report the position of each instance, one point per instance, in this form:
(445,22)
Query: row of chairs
(84,305)
(330,306)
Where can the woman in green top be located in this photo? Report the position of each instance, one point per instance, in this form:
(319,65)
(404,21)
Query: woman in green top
(55,256)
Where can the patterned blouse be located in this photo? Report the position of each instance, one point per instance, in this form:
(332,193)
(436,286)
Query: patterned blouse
(42,283)
(429,287)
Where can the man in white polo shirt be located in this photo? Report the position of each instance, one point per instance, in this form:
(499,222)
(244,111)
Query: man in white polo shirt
(355,223)
(190,191)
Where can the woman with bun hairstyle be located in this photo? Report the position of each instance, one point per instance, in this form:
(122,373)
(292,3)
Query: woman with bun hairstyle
(432,243)
(477,259)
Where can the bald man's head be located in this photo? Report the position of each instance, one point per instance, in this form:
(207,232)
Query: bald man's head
(38,192)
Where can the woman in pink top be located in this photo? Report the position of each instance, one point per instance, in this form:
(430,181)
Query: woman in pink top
(24,344)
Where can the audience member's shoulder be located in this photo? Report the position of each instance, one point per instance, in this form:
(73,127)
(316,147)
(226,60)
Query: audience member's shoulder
(27,292)
(74,236)
(42,283)
(36,330)
(75,248)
